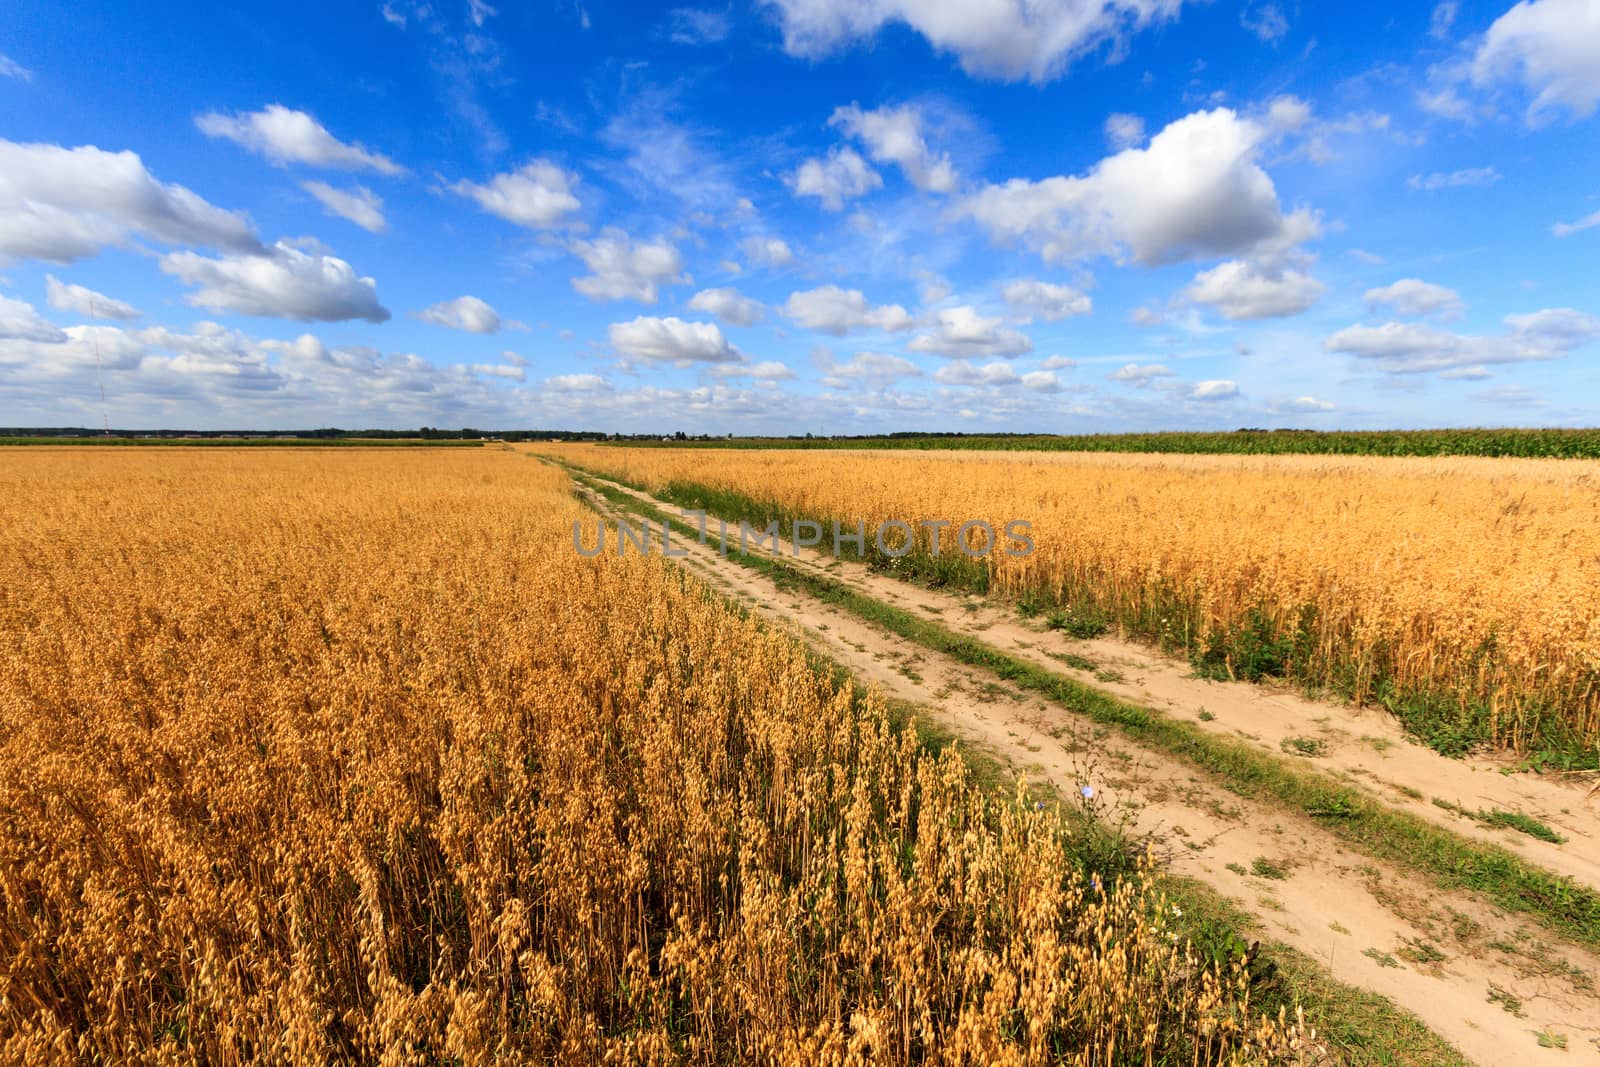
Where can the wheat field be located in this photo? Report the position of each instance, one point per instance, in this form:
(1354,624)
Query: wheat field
(1459,591)
(311,757)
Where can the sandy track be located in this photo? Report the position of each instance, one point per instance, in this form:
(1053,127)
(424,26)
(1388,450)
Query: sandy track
(1371,925)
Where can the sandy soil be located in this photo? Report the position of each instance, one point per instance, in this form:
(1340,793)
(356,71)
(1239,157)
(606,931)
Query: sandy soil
(1486,981)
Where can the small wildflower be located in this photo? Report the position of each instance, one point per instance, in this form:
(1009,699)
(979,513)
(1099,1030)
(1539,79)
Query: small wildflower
(1088,792)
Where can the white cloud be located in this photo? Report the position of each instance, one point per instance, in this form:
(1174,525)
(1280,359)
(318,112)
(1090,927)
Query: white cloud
(1413,296)
(1412,348)
(359,205)
(577,383)
(878,369)
(963,372)
(625,269)
(842,175)
(284,283)
(64,204)
(1124,131)
(1310,405)
(1266,22)
(1046,300)
(466,313)
(10,68)
(1287,114)
(697,26)
(767,251)
(961,332)
(1140,375)
(1215,389)
(1567,229)
(284,136)
(1454,179)
(831,309)
(510,371)
(1446,103)
(1042,381)
(64,296)
(537,195)
(212,376)
(1444,16)
(1005,39)
(1057,363)
(766,371)
(1552,47)
(672,341)
(729,305)
(480,12)
(1252,289)
(895,135)
(1195,191)
(20,322)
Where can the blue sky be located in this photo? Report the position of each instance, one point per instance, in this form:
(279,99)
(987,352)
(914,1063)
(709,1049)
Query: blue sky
(801,215)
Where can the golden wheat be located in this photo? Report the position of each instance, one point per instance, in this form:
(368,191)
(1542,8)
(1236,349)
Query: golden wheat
(312,757)
(1471,579)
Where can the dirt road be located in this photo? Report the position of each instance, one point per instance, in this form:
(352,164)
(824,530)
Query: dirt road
(1488,982)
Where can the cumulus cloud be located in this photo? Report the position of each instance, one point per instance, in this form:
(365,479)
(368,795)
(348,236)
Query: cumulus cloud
(1215,389)
(1195,191)
(1413,296)
(896,135)
(878,370)
(767,251)
(1140,375)
(960,332)
(285,283)
(1006,39)
(1252,289)
(765,371)
(1124,131)
(1552,49)
(625,269)
(965,373)
(463,313)
(1057,363)
(841,175)
(359,205)
(1413,348)
(672,341)
(211,375)
(284,136)
(64,296)
(1454,179)
(513,372)
(1042,381)
(1310,405)
(729,305)
(1045,300)
(20,322)
(537,195)
(576,383)
(64,204)
(831,309)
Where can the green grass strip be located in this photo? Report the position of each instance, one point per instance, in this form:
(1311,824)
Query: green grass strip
(1556,902)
